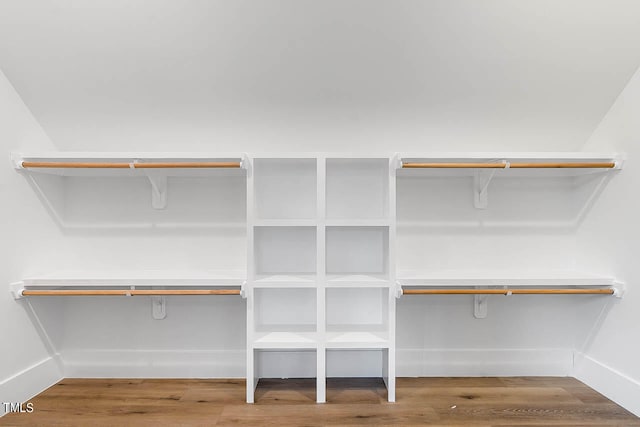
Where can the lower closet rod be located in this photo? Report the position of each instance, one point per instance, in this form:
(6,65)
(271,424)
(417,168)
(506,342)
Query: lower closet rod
(111,165)
(152,292)
(607,291)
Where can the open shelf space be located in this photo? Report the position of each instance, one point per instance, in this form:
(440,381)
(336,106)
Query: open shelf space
(285,309)
(357,251)
(365,363)
(293,363)
(284,251)
(359,313)
(357,188)
(285,188)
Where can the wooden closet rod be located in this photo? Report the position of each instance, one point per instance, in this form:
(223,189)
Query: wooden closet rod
(462,165)
(152,292)
(607,291)
(107,165)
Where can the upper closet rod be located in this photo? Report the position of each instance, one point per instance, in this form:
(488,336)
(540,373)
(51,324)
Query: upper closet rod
(131,165)
(507,165)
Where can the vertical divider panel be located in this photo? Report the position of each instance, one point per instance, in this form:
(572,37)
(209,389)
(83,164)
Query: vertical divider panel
(252,375)
(321,355)
(390,360)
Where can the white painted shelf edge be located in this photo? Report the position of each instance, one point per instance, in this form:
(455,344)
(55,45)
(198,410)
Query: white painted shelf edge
(525,155)
(284,340)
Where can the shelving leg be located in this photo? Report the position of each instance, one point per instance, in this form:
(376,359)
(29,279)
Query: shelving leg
(389,373)
(252,380)
(321,375)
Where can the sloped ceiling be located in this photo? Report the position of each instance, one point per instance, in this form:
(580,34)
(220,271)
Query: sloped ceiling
(484,74)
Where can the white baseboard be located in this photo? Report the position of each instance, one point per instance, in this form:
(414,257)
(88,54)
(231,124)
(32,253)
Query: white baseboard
(154,363)
(29,382)
(231,363)
(483,362)
(214,364)
(613,384)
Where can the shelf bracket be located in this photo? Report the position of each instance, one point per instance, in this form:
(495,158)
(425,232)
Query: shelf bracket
(243,290)
(246,164)
(396,163)
(158,189)
(481,180)
(16,290)
(159,307)
(619,289)
(17,160)
(398,290)
(480,306)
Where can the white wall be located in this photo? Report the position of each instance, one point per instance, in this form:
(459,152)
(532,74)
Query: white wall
(530,225)
(611,239)
(29,242)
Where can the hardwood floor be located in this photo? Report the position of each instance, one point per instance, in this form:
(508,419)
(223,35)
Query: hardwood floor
(521,401)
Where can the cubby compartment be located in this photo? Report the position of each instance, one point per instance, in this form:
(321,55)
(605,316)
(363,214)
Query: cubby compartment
(357,253)
(291,310)
(352,363)
(357,188)
(284,251)
(291,363)
(357,317)
(285,188)
(368,373)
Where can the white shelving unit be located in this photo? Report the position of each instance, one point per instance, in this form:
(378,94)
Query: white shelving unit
(320,230)
(321,282)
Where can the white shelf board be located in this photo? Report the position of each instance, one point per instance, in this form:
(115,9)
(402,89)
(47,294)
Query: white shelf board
(446,278)
(280,280)
(357,280)
(284,223)
(137,278)
(292,340)
(357,339)
(543,156)
(381,222)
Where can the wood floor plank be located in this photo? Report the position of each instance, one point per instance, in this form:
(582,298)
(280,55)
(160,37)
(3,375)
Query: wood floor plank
(470,402)
(479,396)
